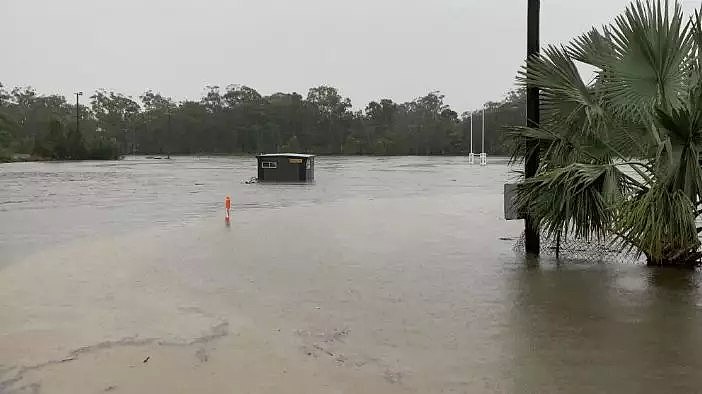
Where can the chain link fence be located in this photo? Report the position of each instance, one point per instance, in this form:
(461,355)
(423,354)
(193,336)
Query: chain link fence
(582,250)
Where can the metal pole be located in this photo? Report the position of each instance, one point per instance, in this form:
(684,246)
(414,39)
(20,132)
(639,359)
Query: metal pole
(134,140)
(471,132)
(168,152)
(78,112)
(531,164)
(483,140)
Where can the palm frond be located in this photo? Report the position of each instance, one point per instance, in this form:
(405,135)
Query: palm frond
(557,148)
(631,141)
(659,223)
(653,56)
(683,127)
(553,148)
(593,48)
(687,176)
(696,33)
(567,102)
(577,198)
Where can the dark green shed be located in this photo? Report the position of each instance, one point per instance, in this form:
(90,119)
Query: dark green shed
(285,167)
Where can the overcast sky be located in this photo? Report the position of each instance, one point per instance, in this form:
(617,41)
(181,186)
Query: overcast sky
(401,49)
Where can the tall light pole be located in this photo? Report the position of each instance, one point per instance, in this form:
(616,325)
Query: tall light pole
(471,133)
(483,154)
(471,156)
(78,94)
(531,164)
(168,151)
(482,141)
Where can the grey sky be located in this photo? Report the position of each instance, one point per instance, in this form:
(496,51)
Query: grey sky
(369,49)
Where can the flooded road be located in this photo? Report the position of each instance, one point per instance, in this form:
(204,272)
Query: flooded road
(387,275)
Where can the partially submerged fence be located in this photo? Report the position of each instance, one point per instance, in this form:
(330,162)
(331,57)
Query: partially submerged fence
(582,250)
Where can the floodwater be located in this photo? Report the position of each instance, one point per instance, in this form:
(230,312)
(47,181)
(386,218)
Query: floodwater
(388,275)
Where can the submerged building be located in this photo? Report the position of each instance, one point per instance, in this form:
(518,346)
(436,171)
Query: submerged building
(285,167)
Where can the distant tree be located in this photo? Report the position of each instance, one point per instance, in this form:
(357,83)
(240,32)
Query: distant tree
(213,99)
(292,145)
(334,116)
(4,95)
(57,142)
(115,115)
(239,94)
(239,119)
(156,102)
(75,145)
(156,122)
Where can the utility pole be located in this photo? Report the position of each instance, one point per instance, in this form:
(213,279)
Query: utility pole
(483,154)
(471,155)
(168,151)
(78,94)
(531,164)
(471,132)
(482,146)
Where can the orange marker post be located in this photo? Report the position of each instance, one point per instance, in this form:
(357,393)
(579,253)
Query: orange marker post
(227,207)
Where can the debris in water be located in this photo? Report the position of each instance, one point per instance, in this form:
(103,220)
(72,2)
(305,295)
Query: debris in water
(321,349)
(202,355)
(393,376)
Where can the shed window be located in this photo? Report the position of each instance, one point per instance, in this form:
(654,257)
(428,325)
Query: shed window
(269,164)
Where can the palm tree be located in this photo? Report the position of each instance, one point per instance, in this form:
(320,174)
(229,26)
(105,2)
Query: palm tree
(619,154)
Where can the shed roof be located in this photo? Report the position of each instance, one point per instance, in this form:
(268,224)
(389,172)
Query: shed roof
(300,155)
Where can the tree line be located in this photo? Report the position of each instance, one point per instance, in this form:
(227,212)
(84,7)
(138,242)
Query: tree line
(238,119)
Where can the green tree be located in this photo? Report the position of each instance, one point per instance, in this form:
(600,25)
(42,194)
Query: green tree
(6,124)
(620,154)
(157,123)
(115,115)
(57,142)
(239,94)
(239,119)
(334,116)
(75,145)
(4,96)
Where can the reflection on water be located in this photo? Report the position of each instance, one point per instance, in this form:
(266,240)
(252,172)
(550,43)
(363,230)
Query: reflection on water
(53,202)
(607,329)
(394,266)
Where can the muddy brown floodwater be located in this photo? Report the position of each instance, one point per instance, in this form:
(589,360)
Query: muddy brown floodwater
(389,275)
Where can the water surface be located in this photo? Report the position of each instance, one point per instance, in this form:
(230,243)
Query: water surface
(386,275)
